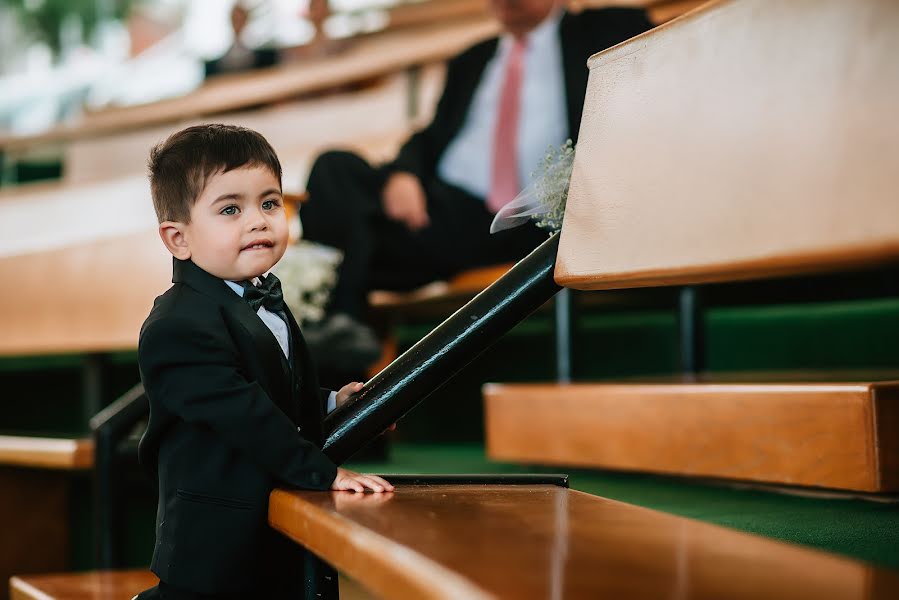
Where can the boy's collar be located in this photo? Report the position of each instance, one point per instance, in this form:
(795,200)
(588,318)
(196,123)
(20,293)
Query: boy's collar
(187,272)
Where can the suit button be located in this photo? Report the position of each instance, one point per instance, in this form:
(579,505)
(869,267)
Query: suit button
(316,478)
(299,429)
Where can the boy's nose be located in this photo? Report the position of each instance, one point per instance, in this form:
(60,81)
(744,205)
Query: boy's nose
(258,222)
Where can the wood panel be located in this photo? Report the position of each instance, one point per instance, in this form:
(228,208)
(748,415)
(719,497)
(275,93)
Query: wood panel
(92,297)
(831,435)
(493,541)
(95,585)
(34,519)
(744,140)
(46,453)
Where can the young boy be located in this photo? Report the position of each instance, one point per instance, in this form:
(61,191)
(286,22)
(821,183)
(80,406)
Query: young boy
(235,409)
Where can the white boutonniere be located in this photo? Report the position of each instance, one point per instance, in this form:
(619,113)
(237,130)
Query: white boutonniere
(543,201)
(308,273)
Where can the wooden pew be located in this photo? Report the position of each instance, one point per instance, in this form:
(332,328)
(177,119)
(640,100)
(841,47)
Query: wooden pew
(731,177)
(35,476)
(96,585)
(824,434)
(440,539)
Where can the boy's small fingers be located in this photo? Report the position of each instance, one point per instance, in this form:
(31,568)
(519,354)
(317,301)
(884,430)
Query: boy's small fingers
(382,483)
(371,483)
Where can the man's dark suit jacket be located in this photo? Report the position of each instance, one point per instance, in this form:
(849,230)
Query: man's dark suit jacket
(581,36)
(225,408)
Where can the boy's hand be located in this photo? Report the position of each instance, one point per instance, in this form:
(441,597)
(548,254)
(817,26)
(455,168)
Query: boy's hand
(346,391)
(357,482)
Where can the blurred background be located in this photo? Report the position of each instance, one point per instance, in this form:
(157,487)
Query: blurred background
(88,86)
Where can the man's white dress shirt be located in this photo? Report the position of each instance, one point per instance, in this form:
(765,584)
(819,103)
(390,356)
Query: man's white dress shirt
(543,122)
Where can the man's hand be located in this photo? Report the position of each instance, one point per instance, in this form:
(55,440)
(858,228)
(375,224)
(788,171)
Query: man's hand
(357,482)
(404,201)
(346,392)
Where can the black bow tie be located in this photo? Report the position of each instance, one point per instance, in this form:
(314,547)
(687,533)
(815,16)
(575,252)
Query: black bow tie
(268,294)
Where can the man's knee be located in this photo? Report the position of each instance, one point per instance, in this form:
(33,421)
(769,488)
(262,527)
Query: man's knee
(336,165)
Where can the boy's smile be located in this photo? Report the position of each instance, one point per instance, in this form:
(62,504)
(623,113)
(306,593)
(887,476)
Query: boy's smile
(238,227)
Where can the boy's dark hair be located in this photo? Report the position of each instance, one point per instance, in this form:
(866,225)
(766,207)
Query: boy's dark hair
(181,166)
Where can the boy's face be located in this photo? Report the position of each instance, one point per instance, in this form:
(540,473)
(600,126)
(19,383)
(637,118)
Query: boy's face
(237,229)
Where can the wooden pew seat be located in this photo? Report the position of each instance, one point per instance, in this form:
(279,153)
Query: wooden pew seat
(487,540)
(93,585)
(830,434)
(460,288)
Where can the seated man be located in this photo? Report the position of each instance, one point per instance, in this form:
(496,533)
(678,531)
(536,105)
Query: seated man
(426,216)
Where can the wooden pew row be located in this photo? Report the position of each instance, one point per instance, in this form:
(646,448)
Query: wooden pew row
(418,34)
(35,479)
(748,180)
(483,540)
(842,435)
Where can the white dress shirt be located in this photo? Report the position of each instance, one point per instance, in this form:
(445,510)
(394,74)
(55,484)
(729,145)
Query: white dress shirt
(278,326)
(543,117)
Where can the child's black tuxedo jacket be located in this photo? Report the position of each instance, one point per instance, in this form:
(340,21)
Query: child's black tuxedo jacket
(229,420)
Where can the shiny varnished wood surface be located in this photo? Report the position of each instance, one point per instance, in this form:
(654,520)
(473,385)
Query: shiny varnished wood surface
(456,541)
(46,453)
(95,585)
(744,140)
(832,435)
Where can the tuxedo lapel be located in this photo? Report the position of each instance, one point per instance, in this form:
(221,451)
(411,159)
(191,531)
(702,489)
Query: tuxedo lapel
(305,384)
(274,373)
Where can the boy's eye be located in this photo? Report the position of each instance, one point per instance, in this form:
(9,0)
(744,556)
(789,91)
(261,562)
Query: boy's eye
(269,205)
(229,210)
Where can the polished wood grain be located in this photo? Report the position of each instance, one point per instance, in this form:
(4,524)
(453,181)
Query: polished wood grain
(746,139)
(490,541)
(94,585)
(831,435)
(46,453)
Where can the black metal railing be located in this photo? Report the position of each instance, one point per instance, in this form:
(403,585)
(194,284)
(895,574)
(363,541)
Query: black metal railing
(110,427)
(439,355)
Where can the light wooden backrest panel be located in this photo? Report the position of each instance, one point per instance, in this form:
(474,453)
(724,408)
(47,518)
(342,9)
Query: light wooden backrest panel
(749,138)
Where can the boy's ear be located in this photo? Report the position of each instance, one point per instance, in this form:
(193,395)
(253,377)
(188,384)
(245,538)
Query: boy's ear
(172,234)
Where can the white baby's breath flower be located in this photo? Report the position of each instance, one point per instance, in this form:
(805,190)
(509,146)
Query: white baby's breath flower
(308,273)
(543,200)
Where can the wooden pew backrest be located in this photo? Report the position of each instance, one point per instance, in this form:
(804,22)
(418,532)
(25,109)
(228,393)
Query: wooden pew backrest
(746,139)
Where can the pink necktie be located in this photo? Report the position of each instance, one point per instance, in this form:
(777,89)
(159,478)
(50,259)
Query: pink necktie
(504,183)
